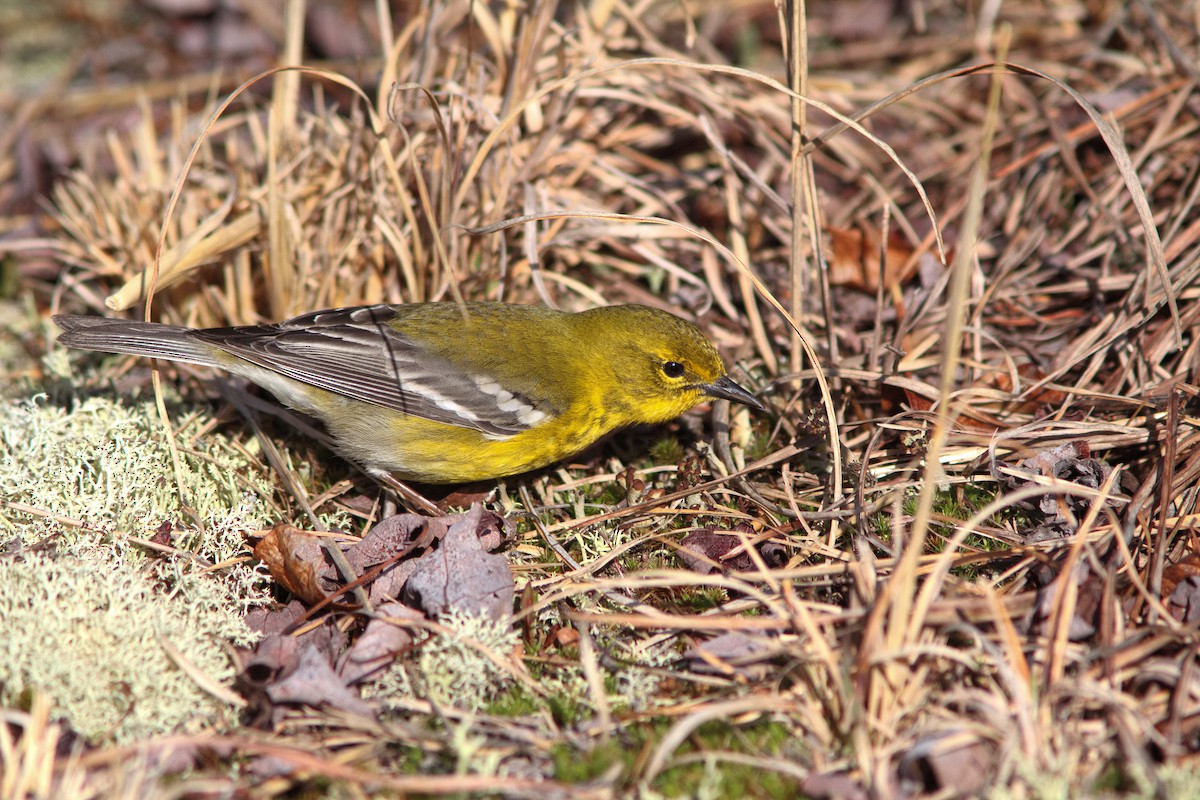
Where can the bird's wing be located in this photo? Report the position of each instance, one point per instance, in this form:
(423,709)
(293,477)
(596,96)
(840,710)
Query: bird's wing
(355,353)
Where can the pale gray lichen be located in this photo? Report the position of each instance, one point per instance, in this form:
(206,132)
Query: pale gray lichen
(100,639)
(90,618)
(89,477)
(452,668)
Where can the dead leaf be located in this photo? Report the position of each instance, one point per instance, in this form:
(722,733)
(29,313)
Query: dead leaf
(1090,589)
(397,535)
(275,658)
(833,786)
(461,575)
(271,621)
(314,683)
(1070,462)
(1030,402)
(949,761)
(1181,589)
(566,637)
(286,670)
(384,639)
(859,20)
(855,259)
(295,559)
(298,561)
(709,551)
(730,654)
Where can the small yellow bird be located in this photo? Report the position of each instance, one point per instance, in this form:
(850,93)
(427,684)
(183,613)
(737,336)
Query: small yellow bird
(447,392)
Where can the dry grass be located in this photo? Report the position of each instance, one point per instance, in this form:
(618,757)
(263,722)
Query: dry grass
(946,619)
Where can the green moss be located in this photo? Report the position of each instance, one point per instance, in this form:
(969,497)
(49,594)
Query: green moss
(607,494)
(567,710)
(698,774)
(573,766)
(666,450)
(699,599)
(517,701)
(710,775)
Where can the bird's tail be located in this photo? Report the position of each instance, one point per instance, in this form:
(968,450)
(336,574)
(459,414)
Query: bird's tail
(149,339)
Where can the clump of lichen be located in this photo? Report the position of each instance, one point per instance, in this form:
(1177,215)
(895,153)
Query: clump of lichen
(91,618)
(105,641)
(462,666)
(88,477)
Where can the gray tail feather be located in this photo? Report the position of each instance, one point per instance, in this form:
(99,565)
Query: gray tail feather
(149,339)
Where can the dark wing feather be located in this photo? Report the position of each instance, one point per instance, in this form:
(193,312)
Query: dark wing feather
(354,352)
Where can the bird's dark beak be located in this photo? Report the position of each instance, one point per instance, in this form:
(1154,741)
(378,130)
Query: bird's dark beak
(726,389)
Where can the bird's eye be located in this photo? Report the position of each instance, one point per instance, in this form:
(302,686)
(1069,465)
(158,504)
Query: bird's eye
(673,369)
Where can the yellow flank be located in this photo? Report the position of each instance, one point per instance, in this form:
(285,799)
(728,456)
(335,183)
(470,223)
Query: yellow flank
(448,393)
